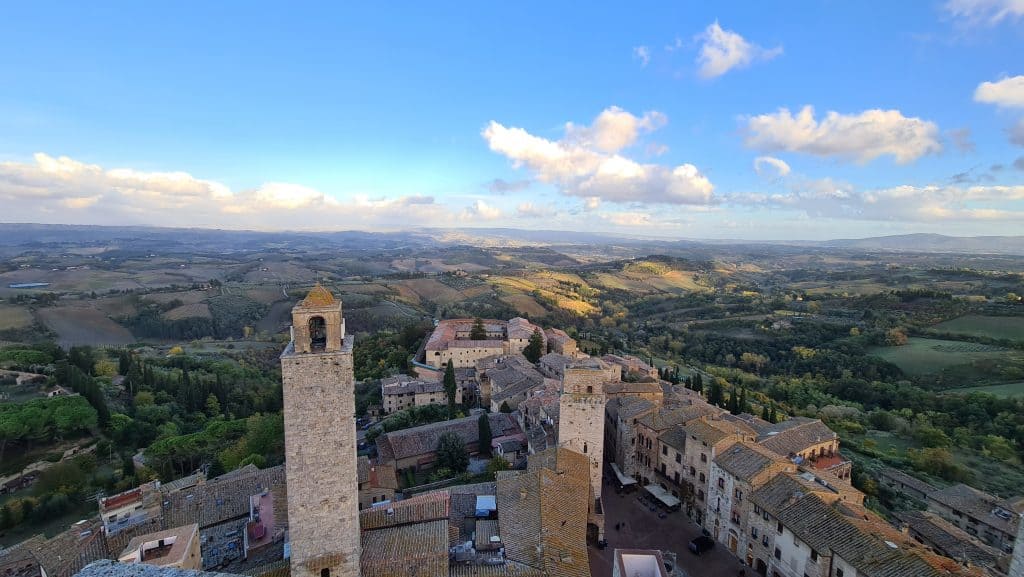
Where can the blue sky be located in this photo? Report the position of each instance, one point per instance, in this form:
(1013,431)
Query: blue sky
(240,115)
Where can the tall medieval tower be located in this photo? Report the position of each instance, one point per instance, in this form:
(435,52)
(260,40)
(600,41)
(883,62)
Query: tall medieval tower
(320,441)
(581,422)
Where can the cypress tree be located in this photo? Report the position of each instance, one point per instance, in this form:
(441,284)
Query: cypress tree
(449,387)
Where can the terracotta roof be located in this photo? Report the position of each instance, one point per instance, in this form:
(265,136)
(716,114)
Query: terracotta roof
(121,500)
(220,499)
(908,480)
(980,505)
(746,460)
(418,509)
(318,297)
(444,333)
(795,435)
(520,328)
(948,539)
(542,513)
(423,440)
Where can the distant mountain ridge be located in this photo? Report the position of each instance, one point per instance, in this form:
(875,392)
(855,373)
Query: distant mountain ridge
(28,234)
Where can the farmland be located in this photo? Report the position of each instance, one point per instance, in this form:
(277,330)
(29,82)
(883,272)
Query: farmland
(921,356)
(84,325)
(13,317)
(985,326)
(1004,390)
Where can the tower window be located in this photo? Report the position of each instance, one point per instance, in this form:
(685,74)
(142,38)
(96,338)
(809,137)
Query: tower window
(590,390)
(318,341)
(325,572)
(584,447)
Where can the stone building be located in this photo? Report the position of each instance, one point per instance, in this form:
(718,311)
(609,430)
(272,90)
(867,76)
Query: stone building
(451,340)
(377,483)
(621,419)
(402,392)
(735,473)
(809,442)
(706,438)
(993,520)
(561,343)
(650,426)
(176,547)
(320,440)
(581,422)
(1017,562)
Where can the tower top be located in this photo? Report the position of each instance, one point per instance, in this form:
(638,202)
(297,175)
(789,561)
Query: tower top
(317,324)
(318,297)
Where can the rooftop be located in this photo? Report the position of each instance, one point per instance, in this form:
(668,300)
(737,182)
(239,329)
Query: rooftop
(989,509)
(108,568)
(640,563)
(318,297)
(422,440)
(746,460)
(795,435)
(147,548)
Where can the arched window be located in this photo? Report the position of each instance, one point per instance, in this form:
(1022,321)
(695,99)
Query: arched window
(584,448)
(318,341)
(325,572)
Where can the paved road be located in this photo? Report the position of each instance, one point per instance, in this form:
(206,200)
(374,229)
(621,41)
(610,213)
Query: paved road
(644,530)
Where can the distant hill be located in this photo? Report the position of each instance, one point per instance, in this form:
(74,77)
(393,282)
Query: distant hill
(185,239)
(934,243)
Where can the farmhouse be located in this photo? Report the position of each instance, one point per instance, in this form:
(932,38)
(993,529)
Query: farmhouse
(451,340)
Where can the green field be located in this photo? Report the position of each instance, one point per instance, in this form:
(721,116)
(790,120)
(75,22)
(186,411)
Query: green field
(925,356)
(1004,390)
(981,326)
(14,317)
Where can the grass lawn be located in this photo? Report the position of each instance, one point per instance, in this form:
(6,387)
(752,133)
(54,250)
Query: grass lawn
(982,326)
(1004,390)
(922,356)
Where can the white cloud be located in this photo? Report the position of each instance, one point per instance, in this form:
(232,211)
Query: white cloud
(529,210)
(591,203)
(988,12)
(643,54)
(586,162)
(923,204)
(628,218)
(862,137)
(61,189)
(1008,92)
(723,50)
(480,210)
(771,167)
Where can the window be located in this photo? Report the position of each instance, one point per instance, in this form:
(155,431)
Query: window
(778,553)
(814,555)
(702,478)
(839,572)
(721,482)
(663,469)
(738,494)
(679,458)
(664,450)
(584,448)
(703,458)
(753,532)
(700,494)
(780,527)
(676,477)
(764,540)
(693,472)
(325,572)
(757,510)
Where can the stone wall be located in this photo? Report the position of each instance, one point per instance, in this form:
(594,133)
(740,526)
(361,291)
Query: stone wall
(320,449)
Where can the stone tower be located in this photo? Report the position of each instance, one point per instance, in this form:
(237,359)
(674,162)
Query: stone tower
(581,422)
(320,441)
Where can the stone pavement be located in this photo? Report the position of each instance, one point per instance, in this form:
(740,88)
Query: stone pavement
(644,530)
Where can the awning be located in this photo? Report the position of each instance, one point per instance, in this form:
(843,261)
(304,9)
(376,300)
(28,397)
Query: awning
(662,495)
(623,479)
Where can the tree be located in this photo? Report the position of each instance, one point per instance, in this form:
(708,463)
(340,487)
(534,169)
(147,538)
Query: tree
(212,406)
(505,408)
(773,417)
(449,387)
(484,431)
(714,393)
(451,453)
(497,463)
(895,337)
(478,332)
(765,415)
(743,405)
(698,383)
(733,404)
(535,348)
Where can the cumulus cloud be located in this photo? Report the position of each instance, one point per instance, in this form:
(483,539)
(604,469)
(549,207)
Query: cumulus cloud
(62,189)
(480,210)
(587,162)
(723,50)
(770,167)
(925,204)
(529,210)
(987,12)
(1007,93)
(643,54)
(862,137)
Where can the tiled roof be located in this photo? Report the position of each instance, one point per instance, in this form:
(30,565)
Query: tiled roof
(745,460)
(520,328)
(108,568)
(183,483)
(507,569)
(555,361)
(796,435)
(623,388)
(630,407)
(443,336)
(908,480)
(675,437)
(426,507)
(318,297)
(542,513)
(70,550)
(405,550)
(949,539)
(665,418)
(873,547)
(220,499)
(423,440)
(404,384)
(979,505)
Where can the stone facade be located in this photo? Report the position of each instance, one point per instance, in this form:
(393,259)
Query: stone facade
(581,417)
(320,442)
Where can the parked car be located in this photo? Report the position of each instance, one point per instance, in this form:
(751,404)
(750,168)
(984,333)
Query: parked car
(702,544)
